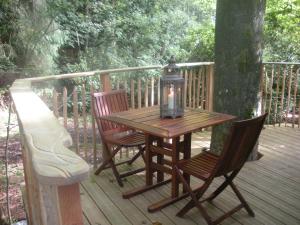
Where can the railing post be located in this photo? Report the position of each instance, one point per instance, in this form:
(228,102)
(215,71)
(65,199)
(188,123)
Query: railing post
(105,80)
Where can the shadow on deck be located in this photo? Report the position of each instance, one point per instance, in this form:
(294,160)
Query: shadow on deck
(270,185)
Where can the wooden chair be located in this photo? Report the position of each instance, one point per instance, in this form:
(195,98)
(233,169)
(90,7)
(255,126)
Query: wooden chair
(114,136)
(206,166)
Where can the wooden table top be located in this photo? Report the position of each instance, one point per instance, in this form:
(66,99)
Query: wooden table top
(148,120)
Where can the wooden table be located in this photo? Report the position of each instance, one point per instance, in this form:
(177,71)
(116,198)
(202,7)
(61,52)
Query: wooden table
(165,139)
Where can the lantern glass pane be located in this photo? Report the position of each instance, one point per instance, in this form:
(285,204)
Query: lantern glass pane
(171,97)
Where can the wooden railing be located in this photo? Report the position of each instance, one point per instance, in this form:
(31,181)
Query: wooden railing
(142,92)
(281,92)
(52,172)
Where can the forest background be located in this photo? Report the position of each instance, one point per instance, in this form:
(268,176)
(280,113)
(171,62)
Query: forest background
(42,37)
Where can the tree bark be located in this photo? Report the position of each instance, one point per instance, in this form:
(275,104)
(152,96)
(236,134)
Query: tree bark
(238,58)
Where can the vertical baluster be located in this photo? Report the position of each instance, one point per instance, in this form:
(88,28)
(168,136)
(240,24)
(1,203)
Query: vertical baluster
(265,91)
(65,107)
(277,94)
(290,76)
(185,87)
(94,133)
(158,91)
(282,94)
(198,86)
(262,87)
(194,88)
(84,122)
(55,107)
(76,124)
(210,88)
(139,94)
(203,86)
(152,91)
(295,96)
(190,87)
(271,93)
(146,93)
(132,93)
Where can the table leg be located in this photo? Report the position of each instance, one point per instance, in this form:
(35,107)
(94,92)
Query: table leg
(149,171)
(175,181)
(175,158)
(160,159)
(149,155)
(187,154)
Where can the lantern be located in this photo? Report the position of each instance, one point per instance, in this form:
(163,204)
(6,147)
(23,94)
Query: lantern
(172,92)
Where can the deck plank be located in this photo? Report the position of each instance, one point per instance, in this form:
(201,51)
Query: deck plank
(270,185)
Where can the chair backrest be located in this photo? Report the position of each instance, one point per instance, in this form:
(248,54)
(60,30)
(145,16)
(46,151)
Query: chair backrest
(105,103)
(240,142)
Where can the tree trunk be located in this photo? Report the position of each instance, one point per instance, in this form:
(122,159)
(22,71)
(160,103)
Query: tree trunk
(238,51)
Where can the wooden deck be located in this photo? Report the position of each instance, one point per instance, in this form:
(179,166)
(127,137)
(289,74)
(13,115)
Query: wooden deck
(270,185)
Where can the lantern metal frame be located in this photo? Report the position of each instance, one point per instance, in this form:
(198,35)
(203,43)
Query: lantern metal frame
(172,92)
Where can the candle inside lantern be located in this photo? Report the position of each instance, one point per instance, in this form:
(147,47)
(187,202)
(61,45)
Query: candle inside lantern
(171,99)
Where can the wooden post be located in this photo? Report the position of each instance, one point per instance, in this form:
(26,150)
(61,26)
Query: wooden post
(105,80)
(70,204)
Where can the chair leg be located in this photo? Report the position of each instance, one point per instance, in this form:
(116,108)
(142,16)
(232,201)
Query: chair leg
(194,201)
(110,156)
(222,186)
(140,152)
(116,173)
(112,164)
(241,198)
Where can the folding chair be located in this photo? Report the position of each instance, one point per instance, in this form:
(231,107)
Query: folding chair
(206,166)
(115,137)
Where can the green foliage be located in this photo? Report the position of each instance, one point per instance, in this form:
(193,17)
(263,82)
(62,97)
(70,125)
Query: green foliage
(282,31)
(61,36)
(199,43)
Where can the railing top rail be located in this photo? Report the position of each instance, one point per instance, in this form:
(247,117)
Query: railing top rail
(45,140)
(110,71)
(283,63)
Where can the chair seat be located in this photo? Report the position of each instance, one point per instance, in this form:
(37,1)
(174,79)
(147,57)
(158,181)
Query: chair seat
(126,139)
(200,165)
